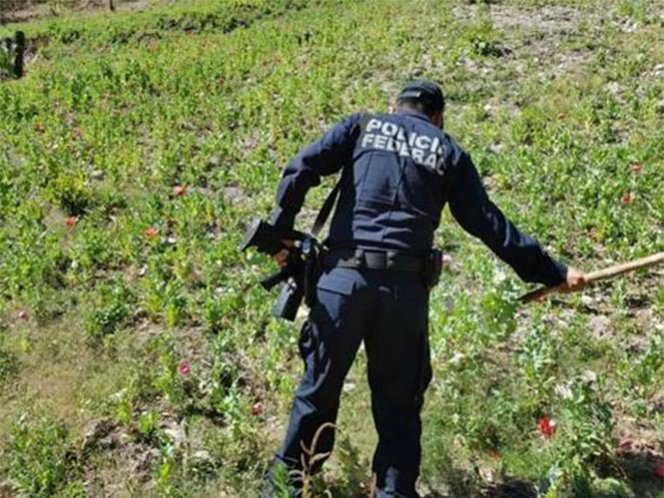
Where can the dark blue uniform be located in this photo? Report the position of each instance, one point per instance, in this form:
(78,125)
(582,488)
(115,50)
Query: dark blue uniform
(398,172)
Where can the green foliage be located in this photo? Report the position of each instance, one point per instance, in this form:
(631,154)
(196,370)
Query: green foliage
(123,410)
(586,438)
(140,143)
(40,460)
(6,63)
(481,39)
(8,365)
(640,11)
(168,380)
(111,310)
(147,425)
(190,16)
(638,376)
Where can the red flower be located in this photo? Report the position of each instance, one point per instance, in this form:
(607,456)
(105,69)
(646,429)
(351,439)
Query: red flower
(659,468)
(70,221)
(179,190)
(257,410)
(183,368)
(547,426)
(626,198)
(636,168)
(151,232)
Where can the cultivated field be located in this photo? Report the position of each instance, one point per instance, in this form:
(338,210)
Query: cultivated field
(138,356)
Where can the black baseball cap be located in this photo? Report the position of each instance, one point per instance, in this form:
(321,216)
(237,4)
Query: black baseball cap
(427,92)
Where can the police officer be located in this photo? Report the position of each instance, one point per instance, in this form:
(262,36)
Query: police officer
(398,171)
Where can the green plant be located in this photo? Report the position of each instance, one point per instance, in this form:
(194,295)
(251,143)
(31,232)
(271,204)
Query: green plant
(147,425)
(481,39)
(6,63)
(586,440)
(638,376)
(8,365)
(40,461)
(111,310)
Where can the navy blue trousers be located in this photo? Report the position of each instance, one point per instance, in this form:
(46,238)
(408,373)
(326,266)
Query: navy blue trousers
(387,310)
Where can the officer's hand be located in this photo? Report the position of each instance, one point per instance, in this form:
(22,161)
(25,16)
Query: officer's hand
(282,256)
(576,280)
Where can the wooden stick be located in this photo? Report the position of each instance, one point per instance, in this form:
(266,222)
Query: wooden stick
(596,276)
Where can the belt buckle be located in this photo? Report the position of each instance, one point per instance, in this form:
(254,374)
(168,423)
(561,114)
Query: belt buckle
(359,259)
(391,259)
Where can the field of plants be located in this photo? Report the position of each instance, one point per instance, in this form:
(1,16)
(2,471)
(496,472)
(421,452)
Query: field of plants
(138,356)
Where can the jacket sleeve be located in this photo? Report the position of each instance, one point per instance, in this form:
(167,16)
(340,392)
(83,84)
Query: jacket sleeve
(472,208)
(325,156)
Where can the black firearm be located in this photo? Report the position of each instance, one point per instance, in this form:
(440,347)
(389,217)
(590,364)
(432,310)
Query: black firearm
(298,275)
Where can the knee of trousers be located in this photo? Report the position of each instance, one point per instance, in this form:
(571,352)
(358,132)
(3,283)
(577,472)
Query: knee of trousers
(399,405)
(321,394)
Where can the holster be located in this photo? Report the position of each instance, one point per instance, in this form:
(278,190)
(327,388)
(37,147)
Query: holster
(433,268)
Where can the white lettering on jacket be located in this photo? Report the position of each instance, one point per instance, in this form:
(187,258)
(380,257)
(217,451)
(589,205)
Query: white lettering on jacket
(385,135)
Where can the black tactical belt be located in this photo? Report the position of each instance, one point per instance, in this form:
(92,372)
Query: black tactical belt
(374,260)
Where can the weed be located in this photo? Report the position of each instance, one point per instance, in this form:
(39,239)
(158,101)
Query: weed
(40,462)
(111,310)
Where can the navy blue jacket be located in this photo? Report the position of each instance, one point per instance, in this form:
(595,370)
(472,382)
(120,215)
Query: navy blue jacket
(399,171)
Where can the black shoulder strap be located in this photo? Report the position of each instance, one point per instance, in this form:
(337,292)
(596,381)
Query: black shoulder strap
(326,209)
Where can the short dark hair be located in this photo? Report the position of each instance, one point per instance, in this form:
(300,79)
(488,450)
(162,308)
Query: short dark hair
(419,106)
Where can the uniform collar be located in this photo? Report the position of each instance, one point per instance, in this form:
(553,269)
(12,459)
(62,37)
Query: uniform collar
(414,114)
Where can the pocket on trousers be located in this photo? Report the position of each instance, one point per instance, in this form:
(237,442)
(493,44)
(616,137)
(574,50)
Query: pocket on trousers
(336,284)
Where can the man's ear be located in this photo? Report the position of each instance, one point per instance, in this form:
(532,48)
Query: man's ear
(438,120)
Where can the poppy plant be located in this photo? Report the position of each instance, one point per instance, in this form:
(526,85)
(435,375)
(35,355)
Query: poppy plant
(183,368)
(179,190)
(257,410)
(547,426)
(151,232)
(70,221)
(626,198)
